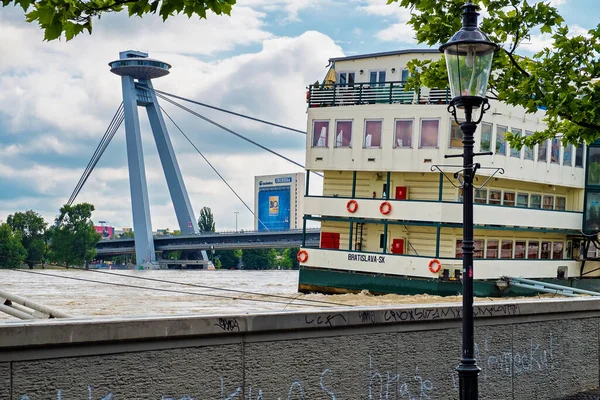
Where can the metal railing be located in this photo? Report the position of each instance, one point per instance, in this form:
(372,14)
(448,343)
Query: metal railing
(373,93)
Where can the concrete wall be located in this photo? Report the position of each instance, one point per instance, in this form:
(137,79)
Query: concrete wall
(530,350)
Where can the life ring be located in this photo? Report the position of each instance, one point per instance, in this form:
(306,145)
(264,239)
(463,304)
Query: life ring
(352,206)
(385,208)
(435,265)
(302,256)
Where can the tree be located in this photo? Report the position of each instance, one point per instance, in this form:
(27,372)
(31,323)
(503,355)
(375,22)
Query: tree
(127,234)
(206,221)
(259,258)
(73,238)
(32,227)
(289,258)
(72,17)
(12,252)
(228,258)
(562,78)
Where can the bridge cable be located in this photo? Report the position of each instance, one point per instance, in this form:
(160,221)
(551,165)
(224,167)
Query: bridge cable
(213,168)
(165,290)
(212,287)
(95,155)
(224,110)
(104,142)
(233,132)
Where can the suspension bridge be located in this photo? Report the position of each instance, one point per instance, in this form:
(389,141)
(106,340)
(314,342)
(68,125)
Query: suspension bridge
(137,72)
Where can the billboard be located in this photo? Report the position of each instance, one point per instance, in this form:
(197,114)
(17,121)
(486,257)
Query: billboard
(278,200)
(105,231)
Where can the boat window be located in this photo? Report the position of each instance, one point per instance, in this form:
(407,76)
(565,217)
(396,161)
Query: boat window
(509,199)
(501,140)
(429,132)
(479,246)
(568,156)
(507,249)
(533,249)
(456,135)
(347,78)
(548,203)
(515,152)
(403,133)
(495,196)
(522,199)
(557,250)
(320,133)
(492,249)
(486,137)
(481,196)
(520,246)
(545,253)
(536,201)
(579,156)
(460,195)
(373,133)
(459,252)
(543,151)
(569,249)
(377,77)
(555,151)
(343,133)
(529,151)
(561,203)
(405,74)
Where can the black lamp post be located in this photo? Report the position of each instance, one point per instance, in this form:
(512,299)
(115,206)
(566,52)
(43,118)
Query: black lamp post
(469,61)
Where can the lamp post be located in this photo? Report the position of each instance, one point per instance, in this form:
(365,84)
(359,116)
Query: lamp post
(468,56)
(236,214)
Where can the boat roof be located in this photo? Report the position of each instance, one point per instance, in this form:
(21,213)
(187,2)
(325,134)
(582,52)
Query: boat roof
(383,54)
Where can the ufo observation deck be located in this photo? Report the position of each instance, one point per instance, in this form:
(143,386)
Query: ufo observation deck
(139,67)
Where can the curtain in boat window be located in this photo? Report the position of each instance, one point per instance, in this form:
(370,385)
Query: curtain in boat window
(403,134)
(320,133)
(343,133)
(373,134)
(429,132)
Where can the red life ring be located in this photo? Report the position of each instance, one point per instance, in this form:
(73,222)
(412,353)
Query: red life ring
(302,256)
(435,265)
(385,208)
(352,206)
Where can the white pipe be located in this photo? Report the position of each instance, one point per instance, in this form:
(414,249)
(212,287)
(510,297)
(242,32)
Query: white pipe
(31,304)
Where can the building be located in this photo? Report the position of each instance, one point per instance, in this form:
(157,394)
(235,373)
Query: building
(278,201)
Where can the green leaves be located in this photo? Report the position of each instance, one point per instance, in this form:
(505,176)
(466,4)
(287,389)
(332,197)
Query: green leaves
(72,17)
(562,78)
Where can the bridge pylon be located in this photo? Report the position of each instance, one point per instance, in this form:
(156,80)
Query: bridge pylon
(137,71)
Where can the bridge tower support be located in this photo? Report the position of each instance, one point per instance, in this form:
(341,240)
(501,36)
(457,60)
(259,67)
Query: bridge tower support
(137,71)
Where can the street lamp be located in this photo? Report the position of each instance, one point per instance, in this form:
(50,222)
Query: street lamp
(469,62)
(236,214)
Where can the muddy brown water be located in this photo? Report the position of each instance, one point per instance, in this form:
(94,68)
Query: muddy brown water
(83,298)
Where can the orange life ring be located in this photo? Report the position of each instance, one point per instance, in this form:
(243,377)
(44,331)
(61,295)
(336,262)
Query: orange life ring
(435,265)
(352,206)
(385,208)
(302,256)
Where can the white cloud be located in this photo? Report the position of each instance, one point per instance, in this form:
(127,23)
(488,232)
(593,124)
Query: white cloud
(397,19)
(57,98)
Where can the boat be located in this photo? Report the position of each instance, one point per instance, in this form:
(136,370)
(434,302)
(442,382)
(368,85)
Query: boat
(390,210)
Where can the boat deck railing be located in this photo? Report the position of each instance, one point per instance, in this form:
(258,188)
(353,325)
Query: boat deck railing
(395,92)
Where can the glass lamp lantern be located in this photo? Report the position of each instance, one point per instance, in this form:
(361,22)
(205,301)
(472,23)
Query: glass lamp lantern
(469,57)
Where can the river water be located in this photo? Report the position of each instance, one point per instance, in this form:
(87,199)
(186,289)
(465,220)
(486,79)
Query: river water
(96,293)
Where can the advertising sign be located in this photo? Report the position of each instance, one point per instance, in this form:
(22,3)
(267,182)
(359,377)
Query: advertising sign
(274,209)
(278,201)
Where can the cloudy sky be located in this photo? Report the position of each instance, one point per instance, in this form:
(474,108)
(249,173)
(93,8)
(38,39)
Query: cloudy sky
(57,98)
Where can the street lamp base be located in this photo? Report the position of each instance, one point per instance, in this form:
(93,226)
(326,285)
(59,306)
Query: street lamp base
(467,379)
